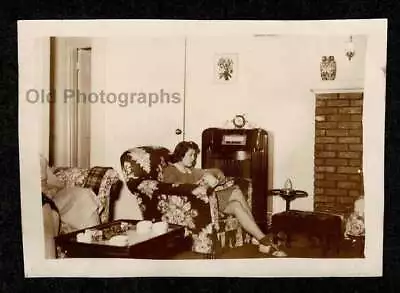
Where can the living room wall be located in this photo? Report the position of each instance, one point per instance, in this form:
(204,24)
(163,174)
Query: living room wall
(275,76)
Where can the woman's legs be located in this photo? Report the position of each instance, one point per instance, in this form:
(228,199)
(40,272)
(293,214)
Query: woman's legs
(238,206)
(246,221)
(237,195)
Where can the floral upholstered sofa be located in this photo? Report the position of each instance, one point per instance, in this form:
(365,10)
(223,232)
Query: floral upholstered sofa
(210,230)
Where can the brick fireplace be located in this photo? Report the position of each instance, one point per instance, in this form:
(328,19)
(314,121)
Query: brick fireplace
(338,180)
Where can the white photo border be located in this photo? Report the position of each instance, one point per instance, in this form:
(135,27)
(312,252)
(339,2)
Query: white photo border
(35,265)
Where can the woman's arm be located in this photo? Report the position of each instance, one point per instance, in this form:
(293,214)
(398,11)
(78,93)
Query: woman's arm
(170,175)
(217,173)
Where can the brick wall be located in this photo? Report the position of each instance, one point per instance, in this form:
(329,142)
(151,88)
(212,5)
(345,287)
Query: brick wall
(338,151)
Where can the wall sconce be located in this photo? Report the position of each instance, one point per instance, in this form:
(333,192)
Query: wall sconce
(350,51)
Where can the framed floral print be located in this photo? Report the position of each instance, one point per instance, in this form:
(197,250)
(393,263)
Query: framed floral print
(226,66)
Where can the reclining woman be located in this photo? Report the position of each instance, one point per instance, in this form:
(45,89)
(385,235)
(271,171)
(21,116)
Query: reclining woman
(230,200)
(66,208)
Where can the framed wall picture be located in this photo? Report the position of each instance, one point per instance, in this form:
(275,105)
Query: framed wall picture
(226,67)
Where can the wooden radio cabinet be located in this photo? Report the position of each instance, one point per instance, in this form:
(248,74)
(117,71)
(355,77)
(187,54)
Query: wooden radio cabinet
(240,153)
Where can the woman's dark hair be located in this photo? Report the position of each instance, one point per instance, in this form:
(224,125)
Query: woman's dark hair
(182,148)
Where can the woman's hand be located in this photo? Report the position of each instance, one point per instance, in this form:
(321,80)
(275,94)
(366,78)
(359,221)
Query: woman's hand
(200,191)
(208,179)
(218,174)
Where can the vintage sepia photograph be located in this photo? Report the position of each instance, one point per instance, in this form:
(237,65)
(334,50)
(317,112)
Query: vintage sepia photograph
(154,154)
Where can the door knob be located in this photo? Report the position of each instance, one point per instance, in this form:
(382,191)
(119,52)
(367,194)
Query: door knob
(178,131)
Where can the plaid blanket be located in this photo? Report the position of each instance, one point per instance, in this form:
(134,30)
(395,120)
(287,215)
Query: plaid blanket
(94,178)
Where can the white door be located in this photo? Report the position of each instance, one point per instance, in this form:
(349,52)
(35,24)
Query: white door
(144,69)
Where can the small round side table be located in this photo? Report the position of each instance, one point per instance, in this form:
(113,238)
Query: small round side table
(288,195)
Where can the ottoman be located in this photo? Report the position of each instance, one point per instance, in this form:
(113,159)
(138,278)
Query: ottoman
(327,228)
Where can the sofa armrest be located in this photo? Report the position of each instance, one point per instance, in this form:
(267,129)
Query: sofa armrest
(106,184)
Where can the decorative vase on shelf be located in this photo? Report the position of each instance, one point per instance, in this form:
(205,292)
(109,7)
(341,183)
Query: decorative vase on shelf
(328,68)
